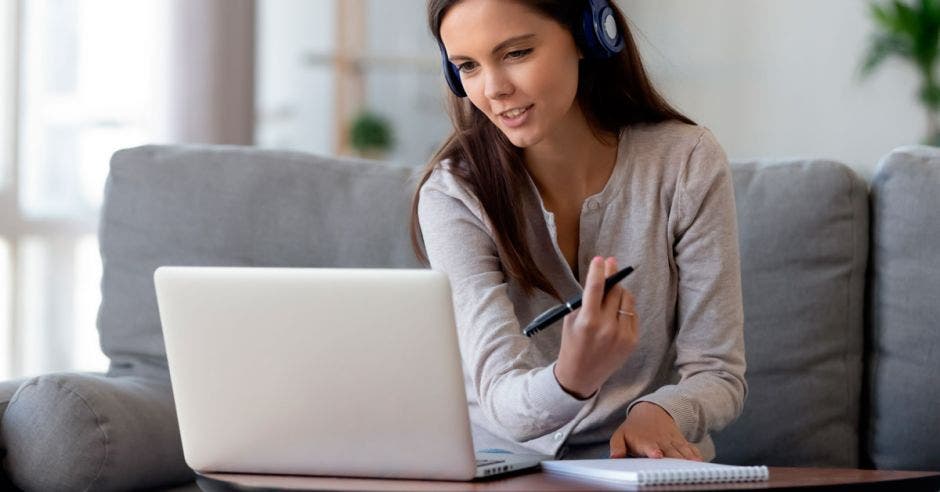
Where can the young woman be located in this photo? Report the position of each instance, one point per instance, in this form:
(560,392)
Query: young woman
(565,162)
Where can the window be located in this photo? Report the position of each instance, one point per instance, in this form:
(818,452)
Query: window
(6,335)
(8,55)
(87,89)
(8,14)
(79,81)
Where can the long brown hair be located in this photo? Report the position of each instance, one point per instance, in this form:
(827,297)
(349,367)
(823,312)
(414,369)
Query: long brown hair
(614,93)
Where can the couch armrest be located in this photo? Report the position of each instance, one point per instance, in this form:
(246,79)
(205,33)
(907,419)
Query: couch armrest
(70,431)
(7,389)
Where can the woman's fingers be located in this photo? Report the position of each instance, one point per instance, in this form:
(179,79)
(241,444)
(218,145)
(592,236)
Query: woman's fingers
(623,445)
(681,450)
(594,286)
(652,450)
(629,323)
(618,445)
(595,300)
(612,298)
(620,448)
(649,431)
(694,452)
(684,451)
(628,305)
(674,451)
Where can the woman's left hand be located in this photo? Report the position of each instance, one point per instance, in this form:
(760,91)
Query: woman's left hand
(650,431)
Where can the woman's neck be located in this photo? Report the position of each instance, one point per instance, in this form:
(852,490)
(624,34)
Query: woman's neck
(571,164)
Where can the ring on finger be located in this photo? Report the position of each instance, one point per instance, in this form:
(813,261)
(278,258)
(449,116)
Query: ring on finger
(626,313)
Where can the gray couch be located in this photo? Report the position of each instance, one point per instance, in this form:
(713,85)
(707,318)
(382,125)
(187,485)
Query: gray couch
(841,288)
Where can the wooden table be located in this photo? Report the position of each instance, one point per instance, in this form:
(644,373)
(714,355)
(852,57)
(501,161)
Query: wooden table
(780,479)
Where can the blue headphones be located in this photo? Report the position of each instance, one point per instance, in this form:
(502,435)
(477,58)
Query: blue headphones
(599,33)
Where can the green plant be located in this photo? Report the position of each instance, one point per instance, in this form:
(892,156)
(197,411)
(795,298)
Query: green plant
(370,134)
(910,31)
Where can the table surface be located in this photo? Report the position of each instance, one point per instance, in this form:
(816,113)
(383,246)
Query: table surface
(780,478)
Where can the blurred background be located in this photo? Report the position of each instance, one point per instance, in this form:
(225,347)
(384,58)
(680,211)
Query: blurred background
(80,79)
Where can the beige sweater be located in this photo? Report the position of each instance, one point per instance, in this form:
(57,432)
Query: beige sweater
(668,209)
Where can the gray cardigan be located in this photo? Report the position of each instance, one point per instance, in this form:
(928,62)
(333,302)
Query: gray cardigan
(668,209)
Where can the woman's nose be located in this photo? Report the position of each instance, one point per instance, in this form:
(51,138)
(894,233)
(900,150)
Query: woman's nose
(497,84)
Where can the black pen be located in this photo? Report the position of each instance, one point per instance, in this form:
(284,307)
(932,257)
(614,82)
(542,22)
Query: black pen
(556,313)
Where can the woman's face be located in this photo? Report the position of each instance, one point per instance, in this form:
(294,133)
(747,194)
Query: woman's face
(519,67)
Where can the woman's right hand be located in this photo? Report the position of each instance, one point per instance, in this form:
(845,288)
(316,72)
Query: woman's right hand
(596,339)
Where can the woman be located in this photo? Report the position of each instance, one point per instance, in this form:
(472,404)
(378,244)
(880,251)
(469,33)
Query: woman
(564,154)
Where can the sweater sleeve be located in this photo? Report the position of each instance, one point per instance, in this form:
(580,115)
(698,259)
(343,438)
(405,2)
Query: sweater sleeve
(709,309)
(521,401)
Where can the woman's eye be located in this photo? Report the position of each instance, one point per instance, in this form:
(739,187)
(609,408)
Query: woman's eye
(518,53)
(466,66)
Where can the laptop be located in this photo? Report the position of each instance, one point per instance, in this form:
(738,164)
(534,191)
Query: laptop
(331,372)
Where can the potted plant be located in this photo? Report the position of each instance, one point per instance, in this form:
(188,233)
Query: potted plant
(370,135)
(910,30)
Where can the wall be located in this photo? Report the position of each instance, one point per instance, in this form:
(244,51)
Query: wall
(778,78)
(770,78)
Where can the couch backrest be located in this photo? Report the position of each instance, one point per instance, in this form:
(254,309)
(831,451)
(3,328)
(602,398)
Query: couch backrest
(903,392)
(235,206)
(803,232)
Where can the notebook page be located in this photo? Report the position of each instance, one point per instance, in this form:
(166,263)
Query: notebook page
(655,471)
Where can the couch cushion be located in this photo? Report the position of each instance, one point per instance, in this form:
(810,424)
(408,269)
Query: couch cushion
(91,432)
(235,206)
(803,232)
(904,357)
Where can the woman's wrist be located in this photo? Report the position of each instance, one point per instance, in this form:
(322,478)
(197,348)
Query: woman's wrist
(648,406)
(570,389)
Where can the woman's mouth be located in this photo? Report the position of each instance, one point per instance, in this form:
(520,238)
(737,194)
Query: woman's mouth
(515,117)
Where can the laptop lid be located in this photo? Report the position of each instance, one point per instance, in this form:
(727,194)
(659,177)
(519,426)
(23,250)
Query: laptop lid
(341,372)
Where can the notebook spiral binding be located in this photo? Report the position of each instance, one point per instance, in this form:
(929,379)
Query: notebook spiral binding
(682,477)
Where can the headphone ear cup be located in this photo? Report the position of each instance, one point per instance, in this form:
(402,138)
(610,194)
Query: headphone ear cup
(451,74)
(601,36)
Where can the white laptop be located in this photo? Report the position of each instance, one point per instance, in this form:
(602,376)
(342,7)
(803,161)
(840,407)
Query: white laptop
(336,372)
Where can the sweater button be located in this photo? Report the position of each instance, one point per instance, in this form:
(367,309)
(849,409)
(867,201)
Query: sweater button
(559,436)
(593,205)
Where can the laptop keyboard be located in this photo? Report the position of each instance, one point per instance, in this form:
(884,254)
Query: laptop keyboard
(485,462)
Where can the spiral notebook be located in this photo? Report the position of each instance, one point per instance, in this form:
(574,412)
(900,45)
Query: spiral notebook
(648,471)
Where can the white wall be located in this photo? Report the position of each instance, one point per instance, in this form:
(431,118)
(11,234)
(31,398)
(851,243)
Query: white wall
(778,78)
(771,78)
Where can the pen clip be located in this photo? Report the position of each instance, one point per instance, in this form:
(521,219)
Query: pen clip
(546,319)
